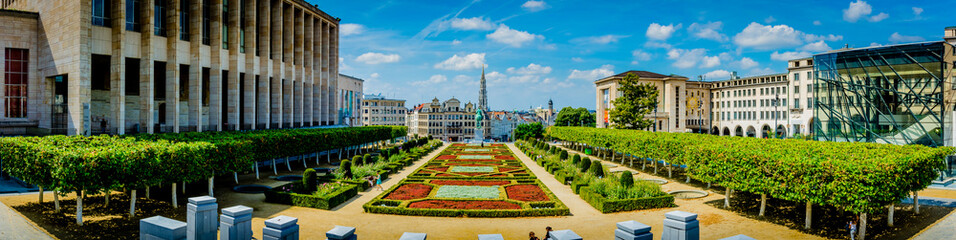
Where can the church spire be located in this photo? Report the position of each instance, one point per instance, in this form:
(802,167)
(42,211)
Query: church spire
(482,93)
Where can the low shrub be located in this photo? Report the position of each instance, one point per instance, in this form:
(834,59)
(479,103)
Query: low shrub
(309,179)
(328,199)
(597,168)
(627,179)
(584,165)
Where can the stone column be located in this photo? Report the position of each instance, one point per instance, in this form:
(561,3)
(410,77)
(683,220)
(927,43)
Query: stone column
(298,85)
(201,218)
(118,68)
(159,227)
(172,66)
(146,92)
(563,235)
(235,223)
(326,72)
(276,82)
(309,64)
(322,69)
(79,92)
(232,106)
(680,225)
(288,46)
(263,114)
(334,63)
(249,83)
(281,228)
(215,66)
(633,230)
(195,66)
(341,233)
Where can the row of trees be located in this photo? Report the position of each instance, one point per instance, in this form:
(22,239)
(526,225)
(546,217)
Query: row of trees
(857,177)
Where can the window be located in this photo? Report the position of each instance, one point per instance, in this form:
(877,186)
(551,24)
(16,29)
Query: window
(796,76)
(15,83)
(101,13)
(796,89)
(205,21)
(159,18)
(225,24)
(796,103)
(242,26)
(184,20)
(132,18)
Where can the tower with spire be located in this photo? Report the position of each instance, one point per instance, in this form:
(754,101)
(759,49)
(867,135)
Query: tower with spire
(482,93)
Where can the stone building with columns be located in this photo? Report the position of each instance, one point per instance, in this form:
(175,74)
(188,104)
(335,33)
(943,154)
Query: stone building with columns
(128,66)
(672,92)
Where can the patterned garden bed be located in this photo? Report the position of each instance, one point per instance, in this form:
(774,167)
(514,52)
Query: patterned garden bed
(473,181)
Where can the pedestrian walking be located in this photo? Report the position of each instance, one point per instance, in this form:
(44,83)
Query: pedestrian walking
(852,226)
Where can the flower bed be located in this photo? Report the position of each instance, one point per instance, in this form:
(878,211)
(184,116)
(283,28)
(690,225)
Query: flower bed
(491,184)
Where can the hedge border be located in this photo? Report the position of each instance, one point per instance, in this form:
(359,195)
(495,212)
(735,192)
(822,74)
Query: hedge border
(309,200)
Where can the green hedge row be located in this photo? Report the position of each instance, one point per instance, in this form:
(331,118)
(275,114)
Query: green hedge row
(70,163)
(552,160)
(327,202)
(856,177)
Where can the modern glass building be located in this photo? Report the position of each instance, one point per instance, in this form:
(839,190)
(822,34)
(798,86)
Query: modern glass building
(888,94)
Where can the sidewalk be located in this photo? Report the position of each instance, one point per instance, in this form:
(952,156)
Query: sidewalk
(15,226)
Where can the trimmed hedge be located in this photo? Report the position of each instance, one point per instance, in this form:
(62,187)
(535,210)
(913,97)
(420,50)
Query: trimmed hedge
(609,206)
(852,176)
(308,200)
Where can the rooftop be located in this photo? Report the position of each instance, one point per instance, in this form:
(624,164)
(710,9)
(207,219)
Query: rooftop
(642,74)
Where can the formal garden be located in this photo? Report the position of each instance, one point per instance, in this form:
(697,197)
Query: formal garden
(470,180)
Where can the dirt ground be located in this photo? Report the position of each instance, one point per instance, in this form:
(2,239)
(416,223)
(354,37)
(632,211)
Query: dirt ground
(111,222)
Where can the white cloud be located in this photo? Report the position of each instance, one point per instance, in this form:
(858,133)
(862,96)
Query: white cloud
(817,23)
(861,9)
(467,62)
(374,75)
(661,32)
(856,10)
(640,56)
(594,74)
(531,69)
(761,71)
(606,39)
(495,77)
(475,23)
(434,79)
(351,29)
(820,46)
(577,59)
(787,56)
(897,38)
(534,6)
(814,38)
(746,63)
(689,58)
(717,74)
(917,11)
(768,37)
(709,30)
(657,45)
(512,37)
(376,58)
(455,42)
(878,17)
(769,20)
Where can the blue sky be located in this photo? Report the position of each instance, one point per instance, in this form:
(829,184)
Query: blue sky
(536,50)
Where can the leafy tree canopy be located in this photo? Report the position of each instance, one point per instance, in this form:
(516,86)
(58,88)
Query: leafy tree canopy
(636,101)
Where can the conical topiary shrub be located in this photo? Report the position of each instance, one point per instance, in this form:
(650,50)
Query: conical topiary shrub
(627,179)
(309,180)
(584,165)
(346,167)
(597,168)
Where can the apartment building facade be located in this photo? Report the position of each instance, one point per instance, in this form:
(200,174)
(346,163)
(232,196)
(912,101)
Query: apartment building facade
(448,120)
(379,110)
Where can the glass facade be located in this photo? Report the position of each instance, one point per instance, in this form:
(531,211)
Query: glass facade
(889,94)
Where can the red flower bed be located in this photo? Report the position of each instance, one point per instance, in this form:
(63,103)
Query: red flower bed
(410,191)
(447,204)
(474,160)
(471,174)
(438,169)
(473,164)
(446,157)
(528,193)
(504,157)
(506,169)
(470,183)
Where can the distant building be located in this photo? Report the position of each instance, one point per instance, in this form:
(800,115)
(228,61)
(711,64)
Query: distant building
(503,124)
(447,120)
(350,100)
(378,110)
(671,100)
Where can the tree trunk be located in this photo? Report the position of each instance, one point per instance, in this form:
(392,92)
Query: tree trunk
(235,176)
(41,194)
(56,200)
(889,218)
(287,164)
(147,192)
(211,181)
(79,207)
(862,228)
(727,198)
(763,203)
(275,171)
(916,201)
(175,205)
(669,173)
(806,224)
(132,203)
(107,196)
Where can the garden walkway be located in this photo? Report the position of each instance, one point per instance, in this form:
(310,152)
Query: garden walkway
(15,226)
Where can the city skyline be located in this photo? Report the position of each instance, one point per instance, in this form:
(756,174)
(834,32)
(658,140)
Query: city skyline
(534,52)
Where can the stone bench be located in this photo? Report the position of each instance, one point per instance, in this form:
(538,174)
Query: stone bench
(161,228)
(633,230)
(413,236)
(490,237)
(281,228)
(341,233)
(564,235)
(680,225)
